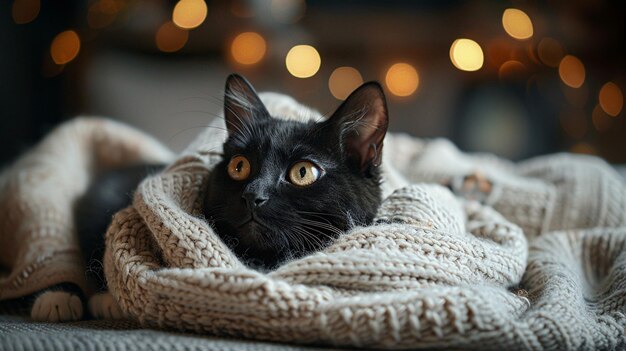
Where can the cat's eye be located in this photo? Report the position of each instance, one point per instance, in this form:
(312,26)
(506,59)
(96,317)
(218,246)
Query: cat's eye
(239,168)
(304,173)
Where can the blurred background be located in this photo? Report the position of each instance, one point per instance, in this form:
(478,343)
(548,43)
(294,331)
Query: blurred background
(515,78)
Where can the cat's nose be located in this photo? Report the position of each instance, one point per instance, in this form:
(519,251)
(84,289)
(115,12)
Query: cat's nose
(254,200)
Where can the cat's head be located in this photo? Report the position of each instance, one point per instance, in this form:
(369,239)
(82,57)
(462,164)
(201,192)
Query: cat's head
(287,188)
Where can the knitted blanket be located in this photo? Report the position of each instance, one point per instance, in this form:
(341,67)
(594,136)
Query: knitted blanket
(527,256)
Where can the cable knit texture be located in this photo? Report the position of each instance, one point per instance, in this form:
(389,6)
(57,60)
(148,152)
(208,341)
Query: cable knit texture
(528,256)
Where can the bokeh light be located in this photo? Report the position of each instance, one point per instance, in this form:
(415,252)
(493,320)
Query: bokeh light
(550,52)
(583,148)
(402,79)
(248,48)
(343,81)
(611,99)
(25,11)
(517,24)
(189,14)
(466,55)
(303,61)
(170,38)
(110,6)
(65,47)
(100,14)
(600,119)
(572,71)
(287,11)
(512,70)
(573,122)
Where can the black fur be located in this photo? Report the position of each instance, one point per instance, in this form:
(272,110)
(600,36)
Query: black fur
(110,192)
(294,221)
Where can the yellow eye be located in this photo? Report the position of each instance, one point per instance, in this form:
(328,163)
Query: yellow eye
(239,168)
(304,173)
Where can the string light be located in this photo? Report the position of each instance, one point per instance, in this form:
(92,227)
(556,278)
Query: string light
(248,48)
(343,81)
(466,55)
(517,24)
(65,47)
(402,79)
(25,11)
(170,38)
(572,71)
(303,61)
(550,52)
(611,99)
(189,14)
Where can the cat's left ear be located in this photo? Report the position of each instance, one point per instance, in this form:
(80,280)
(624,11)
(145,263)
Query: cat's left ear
(241,104)
(361,122)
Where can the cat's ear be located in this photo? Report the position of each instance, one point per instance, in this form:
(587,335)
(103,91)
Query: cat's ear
(361,124)
(241,104)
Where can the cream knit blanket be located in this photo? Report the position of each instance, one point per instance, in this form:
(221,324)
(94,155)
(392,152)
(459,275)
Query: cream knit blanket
(539,262)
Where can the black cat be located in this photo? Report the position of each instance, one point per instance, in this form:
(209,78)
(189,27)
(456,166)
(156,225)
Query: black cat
(284,189)
(287,188)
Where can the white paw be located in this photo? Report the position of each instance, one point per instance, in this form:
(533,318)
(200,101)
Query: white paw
(57,306)
(104,306)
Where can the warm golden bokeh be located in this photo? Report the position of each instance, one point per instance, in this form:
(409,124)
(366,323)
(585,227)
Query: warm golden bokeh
(600,119)
(343,81)
(402,79)
(517,24)
(303,61)
(189,14)
(512,70)
(170,38)
(65,47)
(572,71)
(25,11)
(583,148)
(550,52)
(466,55)
(611,99)
(248,48)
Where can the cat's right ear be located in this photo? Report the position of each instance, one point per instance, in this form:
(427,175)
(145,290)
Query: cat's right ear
(241,104)
(361,124)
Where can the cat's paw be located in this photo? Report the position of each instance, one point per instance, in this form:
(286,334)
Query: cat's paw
(104,306)
(57,306)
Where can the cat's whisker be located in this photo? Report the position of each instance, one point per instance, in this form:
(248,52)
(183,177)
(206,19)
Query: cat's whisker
(322,225)
(320,213)
(310,238)
(319,231)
